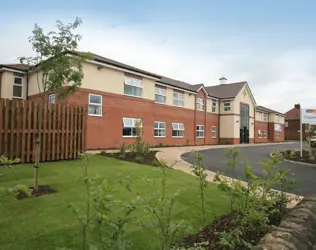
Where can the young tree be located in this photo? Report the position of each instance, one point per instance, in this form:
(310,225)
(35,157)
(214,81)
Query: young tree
(57,66)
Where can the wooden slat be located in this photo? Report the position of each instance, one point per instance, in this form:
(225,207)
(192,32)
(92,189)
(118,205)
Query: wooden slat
(67,132)
(24,110)
(49,127)
(54,133)
(29,126)
(18,123)
(63,126)
(84,129)
(35,129)
(75,151)
(58,114)
(71,137)
(44,132)
(13,107)
(79,129)
(6,128)
(2,117)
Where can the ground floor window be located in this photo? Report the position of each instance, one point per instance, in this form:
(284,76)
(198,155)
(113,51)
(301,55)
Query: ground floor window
(213,132)
(277,134)
(177,130)
(259,134)
(200,131)
(52,98)
(265,134)
(130,126)
(95,105)
(159,129)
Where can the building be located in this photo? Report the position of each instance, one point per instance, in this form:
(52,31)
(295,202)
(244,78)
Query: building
(292,124)
(171,112)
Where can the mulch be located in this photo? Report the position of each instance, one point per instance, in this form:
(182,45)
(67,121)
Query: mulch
(306,158)
(42,190)
(148,159)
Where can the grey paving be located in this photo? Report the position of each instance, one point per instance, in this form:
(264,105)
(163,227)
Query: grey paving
(215,160)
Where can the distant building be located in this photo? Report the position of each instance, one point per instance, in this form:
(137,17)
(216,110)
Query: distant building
(292,124)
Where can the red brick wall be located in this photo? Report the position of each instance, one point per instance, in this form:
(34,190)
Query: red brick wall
(263,126)
(106,131)
(272,133)
(291,132)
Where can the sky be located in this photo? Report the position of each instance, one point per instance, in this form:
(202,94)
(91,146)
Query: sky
(270,44)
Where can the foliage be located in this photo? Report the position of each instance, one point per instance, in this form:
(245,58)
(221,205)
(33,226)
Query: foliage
(197,246)
(158,209)
(257,204)
(57,67)
(199,170)
(122,151)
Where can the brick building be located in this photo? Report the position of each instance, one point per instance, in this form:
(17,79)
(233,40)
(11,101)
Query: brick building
(292,124)
(171,112)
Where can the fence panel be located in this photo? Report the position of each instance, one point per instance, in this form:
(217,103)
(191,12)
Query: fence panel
(62,130)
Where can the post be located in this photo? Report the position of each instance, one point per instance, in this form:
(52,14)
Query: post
(301,134)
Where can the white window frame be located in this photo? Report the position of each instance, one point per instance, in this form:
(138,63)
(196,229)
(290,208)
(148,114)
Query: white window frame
(259,134)
(213,131)
(259,116)
(200,132)
(226,108)
(132,125)
(133,82)
(18,85)
(286,124)
(214,106)
(265,117)
(159,91)
(277,118)
(95,104)
(277,134)
(54,95)
(160,129)
(177,127)
(178,98)
(265,134)
(200,104)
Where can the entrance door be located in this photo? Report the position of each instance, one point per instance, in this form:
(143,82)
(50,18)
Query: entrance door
(244,123)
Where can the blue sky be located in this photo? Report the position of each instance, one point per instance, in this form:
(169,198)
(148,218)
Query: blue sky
(271,44)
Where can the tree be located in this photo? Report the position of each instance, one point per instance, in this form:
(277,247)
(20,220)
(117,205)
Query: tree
(58,68)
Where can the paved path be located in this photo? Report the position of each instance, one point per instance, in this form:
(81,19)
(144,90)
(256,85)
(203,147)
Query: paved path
(215,160)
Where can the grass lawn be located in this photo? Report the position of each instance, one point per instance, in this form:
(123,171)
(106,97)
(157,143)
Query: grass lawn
(46,223)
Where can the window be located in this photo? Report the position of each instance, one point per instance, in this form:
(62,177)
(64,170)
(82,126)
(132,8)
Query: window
(259,114)
(130,127)
(200,131)
(177,130)
(265,135)
(226,106)
(160,95)
(277,134)
(265,117)
(133,86)
(52,98)
(213,106)
(213,132)
(286,124)
(18,87)
(200,104)
(277,118)
(178,99)
(259,134)
(159,129)
(95,105)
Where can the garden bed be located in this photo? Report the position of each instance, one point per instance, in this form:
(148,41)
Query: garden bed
(147,159)
(296,156)
(42,190)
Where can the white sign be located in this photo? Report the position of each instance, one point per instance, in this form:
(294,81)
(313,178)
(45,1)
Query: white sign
(308,116)
(277,127)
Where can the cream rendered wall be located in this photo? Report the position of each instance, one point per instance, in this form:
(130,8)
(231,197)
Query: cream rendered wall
(251,128)
(149,89)
(209,105)
(273,118)
(7,85)
(33,84)
(244,96)
(232,107)
(228,127)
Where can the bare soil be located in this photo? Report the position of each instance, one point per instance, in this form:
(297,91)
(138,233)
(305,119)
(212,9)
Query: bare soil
(148,159)
(42,190)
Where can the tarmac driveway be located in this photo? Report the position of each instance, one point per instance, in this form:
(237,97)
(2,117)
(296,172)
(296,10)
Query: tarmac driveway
(215,160)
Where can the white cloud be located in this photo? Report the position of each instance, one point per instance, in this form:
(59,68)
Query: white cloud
(277,80)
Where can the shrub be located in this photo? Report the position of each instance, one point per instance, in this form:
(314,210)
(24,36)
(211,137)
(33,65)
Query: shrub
(160,145)
(103,152)
(227,143)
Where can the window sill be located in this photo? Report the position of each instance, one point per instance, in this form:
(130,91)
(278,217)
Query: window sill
(177,136)
(134,96)
(163,103)
(213,137)
(94,115)
(200,137)
(17,97)
(202,110)
(128,136)
(178,106)
(159,136)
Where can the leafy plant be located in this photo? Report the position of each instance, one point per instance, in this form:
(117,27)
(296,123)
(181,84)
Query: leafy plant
(199,170)
(57,66)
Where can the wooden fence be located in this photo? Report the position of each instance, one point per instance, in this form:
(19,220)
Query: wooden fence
(62,132)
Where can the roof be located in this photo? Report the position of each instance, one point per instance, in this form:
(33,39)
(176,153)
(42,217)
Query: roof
(223,91)
(267,110)
(292,114)
(17,66)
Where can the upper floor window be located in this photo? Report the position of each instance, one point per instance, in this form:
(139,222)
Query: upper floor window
(18,87)
(213,106)
(259,114)
(286,124)
(52,98)
(95,105)
(199,131)
(277,118)
(200,104)
(130,126)
(159,129)
(226,106)
(177,130)
(133,86)
(265,117)
(160,95)
(178,99)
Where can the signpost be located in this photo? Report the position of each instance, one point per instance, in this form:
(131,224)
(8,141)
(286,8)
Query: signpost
(308,116)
